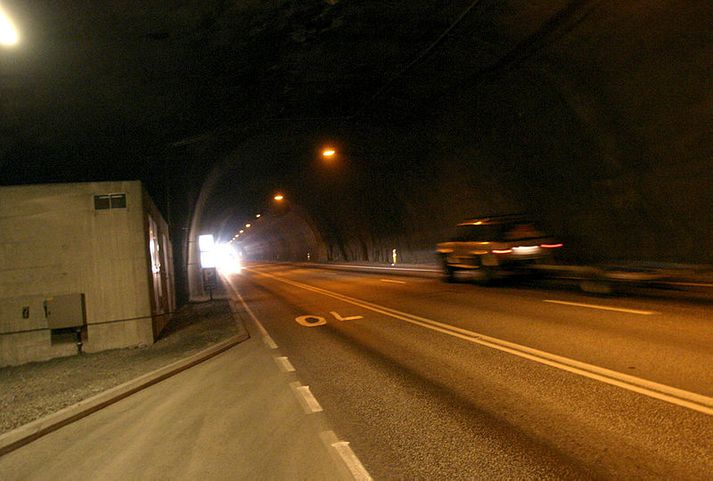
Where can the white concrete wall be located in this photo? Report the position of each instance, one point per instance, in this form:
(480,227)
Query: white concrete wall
(30,338)
(162,283)
(53,242)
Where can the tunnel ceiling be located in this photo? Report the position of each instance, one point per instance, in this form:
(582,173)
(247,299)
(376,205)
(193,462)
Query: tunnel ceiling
(110,86)
(571,109)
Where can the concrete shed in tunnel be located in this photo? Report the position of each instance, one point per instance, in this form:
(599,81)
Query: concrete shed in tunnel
(90,261)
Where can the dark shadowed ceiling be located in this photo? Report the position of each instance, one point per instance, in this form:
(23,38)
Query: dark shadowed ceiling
(593,115)
(109,85)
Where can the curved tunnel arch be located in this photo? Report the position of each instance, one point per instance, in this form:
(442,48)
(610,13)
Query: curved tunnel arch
(593,133)
(301,234)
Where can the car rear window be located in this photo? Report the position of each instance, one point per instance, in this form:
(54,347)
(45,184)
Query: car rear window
(521,231)
(512,231)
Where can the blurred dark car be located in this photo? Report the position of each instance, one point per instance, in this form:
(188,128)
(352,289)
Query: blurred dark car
(496,247)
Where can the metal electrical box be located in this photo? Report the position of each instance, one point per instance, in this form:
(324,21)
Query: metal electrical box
(65,311)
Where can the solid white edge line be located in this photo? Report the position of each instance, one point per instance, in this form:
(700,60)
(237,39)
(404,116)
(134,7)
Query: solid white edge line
(269,342)
(284,364)
(250,313)
(603,308)
(392,281)
(679,397)
(306,398)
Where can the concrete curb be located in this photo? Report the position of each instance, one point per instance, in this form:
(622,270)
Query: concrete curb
(17,438)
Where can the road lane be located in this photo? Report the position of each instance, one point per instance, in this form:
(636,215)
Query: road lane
(422,405)
(386,426)
(672,347)
(667,393)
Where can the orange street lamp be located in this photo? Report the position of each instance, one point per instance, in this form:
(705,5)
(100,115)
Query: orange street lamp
(279,197)
(328,152)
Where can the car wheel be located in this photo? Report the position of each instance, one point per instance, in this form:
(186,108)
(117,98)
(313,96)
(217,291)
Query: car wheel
(485,275)
(450,273)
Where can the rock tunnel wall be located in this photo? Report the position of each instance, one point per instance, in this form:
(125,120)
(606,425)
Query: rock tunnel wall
(597,120)
(603,133)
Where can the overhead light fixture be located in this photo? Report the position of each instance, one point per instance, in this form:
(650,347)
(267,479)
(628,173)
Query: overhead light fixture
(8,32)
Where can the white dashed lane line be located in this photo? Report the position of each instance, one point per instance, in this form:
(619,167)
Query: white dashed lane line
(284,364)
(305,397)
(602,308)
(339,449)
(269,342)
(392,281)
(343,453)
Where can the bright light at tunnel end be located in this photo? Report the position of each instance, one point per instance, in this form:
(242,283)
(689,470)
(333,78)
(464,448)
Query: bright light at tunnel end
(223,257)
(8,32)
(227,259)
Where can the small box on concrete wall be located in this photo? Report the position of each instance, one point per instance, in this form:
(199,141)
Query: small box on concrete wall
(65,311)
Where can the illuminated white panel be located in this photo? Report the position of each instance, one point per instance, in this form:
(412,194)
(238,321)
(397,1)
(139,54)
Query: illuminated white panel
(206,242)
(207,260)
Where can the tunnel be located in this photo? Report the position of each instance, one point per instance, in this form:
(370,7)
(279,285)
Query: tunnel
(591,117)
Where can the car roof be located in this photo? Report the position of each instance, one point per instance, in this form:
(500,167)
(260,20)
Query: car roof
(494,219)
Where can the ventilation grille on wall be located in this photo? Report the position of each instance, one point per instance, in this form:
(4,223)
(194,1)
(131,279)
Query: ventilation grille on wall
(110,201)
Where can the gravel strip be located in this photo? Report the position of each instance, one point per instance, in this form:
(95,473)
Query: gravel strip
(34,390)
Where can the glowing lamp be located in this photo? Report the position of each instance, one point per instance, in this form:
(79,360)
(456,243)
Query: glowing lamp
(8,32)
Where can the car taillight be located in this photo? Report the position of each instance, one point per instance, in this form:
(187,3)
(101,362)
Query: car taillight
(551,246)
(502,251)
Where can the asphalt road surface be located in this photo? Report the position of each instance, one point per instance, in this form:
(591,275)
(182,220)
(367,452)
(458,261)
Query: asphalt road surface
(413,379)
(433,381)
